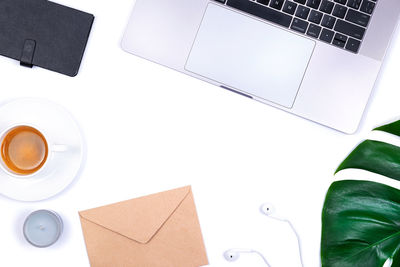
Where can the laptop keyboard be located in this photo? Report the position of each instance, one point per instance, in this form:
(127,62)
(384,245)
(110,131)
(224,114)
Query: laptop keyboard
(341,23)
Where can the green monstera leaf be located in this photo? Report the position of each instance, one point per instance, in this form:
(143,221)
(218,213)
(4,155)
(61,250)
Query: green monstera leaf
(374,156)
(392,128)
(361,224)
(361,219)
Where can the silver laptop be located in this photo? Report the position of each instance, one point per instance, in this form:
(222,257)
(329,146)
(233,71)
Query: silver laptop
(318,59)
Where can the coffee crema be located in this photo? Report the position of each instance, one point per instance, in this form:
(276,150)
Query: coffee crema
(24,150)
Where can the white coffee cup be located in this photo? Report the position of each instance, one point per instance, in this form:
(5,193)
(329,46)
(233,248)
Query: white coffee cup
(51,147)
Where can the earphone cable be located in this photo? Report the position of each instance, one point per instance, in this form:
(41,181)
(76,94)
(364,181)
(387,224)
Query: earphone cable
(262,256)
(298,241)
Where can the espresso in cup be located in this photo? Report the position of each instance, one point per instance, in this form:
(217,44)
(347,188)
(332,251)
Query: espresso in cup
(24,150)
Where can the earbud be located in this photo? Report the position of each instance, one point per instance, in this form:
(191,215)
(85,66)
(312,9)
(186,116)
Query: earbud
(233,254)
(269,210)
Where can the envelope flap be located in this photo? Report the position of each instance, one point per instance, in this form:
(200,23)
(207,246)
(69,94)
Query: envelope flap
(138,219)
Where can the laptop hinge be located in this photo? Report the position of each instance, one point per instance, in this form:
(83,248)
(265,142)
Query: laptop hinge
(234,91)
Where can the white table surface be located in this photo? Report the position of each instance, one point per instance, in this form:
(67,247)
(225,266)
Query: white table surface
(150,129)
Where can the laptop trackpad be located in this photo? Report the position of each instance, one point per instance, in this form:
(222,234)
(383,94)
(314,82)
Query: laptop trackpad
(249,55)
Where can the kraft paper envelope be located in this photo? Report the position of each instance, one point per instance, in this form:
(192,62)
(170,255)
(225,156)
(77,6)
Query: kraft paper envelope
(160,230)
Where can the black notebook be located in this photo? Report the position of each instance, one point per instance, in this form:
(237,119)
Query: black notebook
(44,34)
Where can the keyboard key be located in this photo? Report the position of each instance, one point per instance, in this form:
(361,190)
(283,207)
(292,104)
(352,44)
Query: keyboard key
(299,25)
(303,2)
(289,7)
(277,4)
(264,2)
(354,3)
(328,21)
(313,3)
(338,43)
(339,11)
(357,17)
(302,12)
(341,23)
(261,12)
(315,16)
(367,6)
(314,30)
(353,45)
(221,1)
(349,29)
(326,35)
(341,37)
(326,6)
(339,40)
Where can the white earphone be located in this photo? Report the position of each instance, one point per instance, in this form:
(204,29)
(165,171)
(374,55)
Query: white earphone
(233,254)
(269,210)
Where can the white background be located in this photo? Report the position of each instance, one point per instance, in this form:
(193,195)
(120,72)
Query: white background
(150,129)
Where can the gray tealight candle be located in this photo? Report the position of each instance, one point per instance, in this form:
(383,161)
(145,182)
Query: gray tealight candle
(43,228)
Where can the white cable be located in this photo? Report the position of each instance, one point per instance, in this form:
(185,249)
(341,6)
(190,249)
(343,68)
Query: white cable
(298,241)
(262,256)
(268,210)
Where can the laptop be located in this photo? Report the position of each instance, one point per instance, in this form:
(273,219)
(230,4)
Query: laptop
(317,59)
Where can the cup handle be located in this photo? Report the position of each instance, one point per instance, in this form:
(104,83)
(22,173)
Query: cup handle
(59,148)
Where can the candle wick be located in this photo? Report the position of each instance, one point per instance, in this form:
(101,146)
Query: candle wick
(41,227)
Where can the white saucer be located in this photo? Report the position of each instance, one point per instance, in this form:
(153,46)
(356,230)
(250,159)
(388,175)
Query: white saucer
(59,128)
